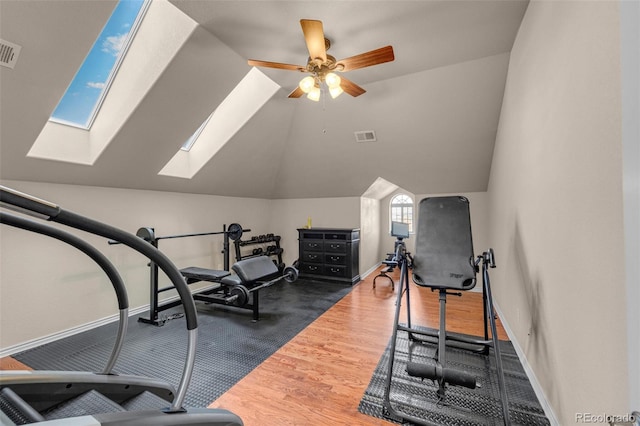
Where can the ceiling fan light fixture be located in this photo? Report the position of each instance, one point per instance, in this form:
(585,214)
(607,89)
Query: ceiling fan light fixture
(321,65)
(332,79)
(335,91)
(314,94)
(307,84)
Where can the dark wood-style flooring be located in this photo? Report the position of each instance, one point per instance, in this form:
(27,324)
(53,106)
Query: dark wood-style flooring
(319,377)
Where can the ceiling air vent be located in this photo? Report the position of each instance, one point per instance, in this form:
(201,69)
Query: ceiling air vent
(9,54)
(365,136)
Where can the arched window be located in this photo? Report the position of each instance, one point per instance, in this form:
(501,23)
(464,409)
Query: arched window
(402,210)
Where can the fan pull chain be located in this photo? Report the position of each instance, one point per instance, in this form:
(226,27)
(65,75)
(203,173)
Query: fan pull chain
(324,116)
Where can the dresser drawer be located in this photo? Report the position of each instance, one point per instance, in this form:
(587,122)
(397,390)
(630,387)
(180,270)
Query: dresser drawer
(311,268)
(335,259)
(312,245)
(312,257)
(335,236)
(335,247)
(335,271)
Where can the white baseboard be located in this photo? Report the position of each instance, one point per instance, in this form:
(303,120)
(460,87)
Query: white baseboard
(535,384)
(370,271)
(20,347)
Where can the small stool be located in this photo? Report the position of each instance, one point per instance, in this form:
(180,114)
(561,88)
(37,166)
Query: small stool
(383,273)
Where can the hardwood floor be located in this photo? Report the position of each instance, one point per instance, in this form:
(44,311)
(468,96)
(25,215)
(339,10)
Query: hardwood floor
(319,377)
(9,363)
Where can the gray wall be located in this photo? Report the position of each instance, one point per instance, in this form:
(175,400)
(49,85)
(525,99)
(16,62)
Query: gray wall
(370,233)
(555,197)
(630,56)
(286,216)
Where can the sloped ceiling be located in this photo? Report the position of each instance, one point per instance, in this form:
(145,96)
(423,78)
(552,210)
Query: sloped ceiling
(435,109)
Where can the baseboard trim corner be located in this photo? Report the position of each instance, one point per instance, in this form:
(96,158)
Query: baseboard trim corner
(535,384)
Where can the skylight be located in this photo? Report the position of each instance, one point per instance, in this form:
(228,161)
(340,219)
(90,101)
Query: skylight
(189,143)
(81,102)
(253,91)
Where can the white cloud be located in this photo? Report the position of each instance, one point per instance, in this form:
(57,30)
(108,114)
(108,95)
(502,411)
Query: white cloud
(114,44)
(96,85)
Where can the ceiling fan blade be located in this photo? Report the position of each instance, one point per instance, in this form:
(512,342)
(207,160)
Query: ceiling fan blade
(374,57)
(277,65)
(314,37)
(297,92)
(350,87)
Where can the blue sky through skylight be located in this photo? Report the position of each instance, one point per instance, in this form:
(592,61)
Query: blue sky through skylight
(80,102)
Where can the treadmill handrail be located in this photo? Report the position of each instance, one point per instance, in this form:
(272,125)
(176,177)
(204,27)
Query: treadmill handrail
(55,213)
(96,256)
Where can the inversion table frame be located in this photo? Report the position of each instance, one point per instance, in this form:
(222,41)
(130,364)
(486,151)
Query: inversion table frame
(444,261)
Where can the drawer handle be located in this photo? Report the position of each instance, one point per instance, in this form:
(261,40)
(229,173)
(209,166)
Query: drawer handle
(313,256)
(335,245)
(334,258)
(313,268)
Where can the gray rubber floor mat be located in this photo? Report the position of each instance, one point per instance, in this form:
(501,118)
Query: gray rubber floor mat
(229,347)
(461,406)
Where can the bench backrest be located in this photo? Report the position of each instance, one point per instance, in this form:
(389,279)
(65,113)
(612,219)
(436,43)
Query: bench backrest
(254,268)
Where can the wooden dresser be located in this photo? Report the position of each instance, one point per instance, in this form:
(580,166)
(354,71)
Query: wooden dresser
(329,254)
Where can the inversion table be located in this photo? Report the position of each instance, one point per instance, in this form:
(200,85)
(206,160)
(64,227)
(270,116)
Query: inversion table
(444,261)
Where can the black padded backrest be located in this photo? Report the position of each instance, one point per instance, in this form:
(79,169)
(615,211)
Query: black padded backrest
(444,256)
(254,268)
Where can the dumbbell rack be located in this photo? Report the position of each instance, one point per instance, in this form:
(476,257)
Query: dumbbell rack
(260,245)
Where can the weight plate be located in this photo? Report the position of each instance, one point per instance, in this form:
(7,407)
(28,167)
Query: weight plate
(242,293)
(146,234)
(234,231)
(290,274)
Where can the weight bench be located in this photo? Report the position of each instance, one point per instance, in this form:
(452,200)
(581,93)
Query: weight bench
(251,276)
(444,262)
(194,274)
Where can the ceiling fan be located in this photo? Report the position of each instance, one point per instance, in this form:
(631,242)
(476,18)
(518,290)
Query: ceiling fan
(323,66)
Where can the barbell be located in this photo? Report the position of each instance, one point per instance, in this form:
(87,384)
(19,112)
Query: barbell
(234,232)
(239,294)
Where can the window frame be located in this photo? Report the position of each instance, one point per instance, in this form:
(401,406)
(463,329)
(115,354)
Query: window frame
(407,210)
(114,70)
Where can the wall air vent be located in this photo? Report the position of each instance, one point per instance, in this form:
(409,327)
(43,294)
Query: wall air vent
(365,136)
(9,53)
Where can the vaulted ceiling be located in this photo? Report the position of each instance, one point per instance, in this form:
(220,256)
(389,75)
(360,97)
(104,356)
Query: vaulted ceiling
(435,109)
